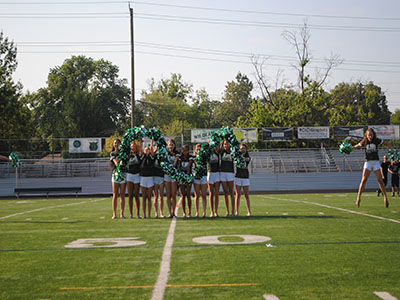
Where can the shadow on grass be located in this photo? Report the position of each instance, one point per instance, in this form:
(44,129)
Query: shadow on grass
(241,218)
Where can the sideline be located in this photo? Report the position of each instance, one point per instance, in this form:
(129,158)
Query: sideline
(50,207)
(333,207)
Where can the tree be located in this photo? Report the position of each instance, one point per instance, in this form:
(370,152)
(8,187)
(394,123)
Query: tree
(83,98)
(166,104)
(15,116)
(358,104)
(236,100)
(395,118)
(300,41)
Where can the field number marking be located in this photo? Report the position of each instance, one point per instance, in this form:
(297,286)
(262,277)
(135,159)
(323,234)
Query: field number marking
(247,239)
(116,242)
(385,296)
(270,297)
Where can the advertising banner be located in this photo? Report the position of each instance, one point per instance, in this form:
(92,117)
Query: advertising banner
(246,135)
(201,135)
(386,132)
(85,145)
(348,132)
(277,134)
(313,133)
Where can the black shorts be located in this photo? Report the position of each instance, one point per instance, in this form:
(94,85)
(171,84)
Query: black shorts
(384,181)
(395,180)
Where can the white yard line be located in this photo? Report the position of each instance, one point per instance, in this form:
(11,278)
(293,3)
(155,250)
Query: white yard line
(385,296)
(333,207)
(44,208)
(161,284)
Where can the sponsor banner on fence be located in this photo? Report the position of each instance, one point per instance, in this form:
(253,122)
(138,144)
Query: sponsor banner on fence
(386,132)
(84,145)
(277,134)
(246,135)
(313,133)
(201,135)
(348,132)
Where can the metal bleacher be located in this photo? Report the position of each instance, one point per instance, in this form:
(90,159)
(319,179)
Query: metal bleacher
(313,160)
(349,163)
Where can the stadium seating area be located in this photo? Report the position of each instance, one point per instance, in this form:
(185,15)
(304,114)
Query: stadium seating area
(270,161)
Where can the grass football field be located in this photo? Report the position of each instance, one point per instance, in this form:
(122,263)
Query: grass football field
(295,246)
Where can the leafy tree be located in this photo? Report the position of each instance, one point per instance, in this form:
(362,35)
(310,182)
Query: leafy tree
(236,100)
(15,116)
(166,105)
(83,98)
(395,118)
(358,104)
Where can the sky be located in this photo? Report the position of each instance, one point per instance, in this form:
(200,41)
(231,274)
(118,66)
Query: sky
(208,42)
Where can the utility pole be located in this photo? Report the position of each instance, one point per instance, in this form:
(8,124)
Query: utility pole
(183,129)
(132,69)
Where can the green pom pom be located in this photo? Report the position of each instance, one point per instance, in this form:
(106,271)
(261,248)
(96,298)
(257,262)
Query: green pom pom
(394,155)
(15,161)
(345,148)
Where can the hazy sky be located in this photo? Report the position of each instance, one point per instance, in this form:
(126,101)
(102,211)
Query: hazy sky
(208,42)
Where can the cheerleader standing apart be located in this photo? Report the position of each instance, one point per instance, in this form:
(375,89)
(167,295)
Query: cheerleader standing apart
(242,180)
(118,187)
(370,143)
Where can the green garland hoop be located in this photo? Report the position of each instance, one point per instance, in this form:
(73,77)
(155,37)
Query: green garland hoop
(203,156)
(15,161)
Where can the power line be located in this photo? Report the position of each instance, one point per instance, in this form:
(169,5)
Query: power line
(173,18)
(196,50)
(208,59)
(206,9)
(63,3)
(263,24)
(268,12)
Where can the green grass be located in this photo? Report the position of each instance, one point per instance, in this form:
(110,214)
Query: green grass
(315,252)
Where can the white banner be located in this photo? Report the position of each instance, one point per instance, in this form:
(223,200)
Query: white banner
(201,135)
(386,132)
(246,135)
(84,145)
(313,133)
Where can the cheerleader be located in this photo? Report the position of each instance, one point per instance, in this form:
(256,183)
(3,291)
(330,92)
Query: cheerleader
(133,178)
(158,178)
(242,180)
(184,164)
(370,143)
(171,185)
(213,180)
(118,187)
(227,176)
(146,180)
(200,186)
